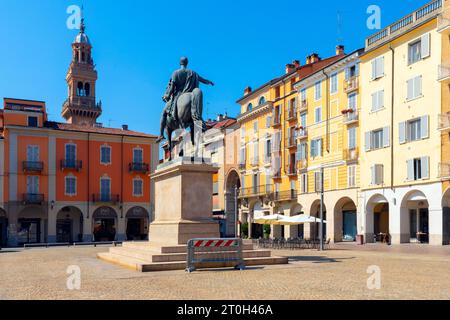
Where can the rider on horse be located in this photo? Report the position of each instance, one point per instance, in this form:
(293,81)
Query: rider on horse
(183,81)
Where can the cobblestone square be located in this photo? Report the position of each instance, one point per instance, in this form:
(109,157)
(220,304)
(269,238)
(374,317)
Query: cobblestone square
(407,272)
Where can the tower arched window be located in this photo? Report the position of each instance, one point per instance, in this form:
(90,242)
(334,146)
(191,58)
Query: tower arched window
(87,89)
(262,100)
(249,107)
(83,56)
(80,89)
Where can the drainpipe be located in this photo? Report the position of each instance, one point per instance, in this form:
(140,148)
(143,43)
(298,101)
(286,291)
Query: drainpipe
(328,112)
(392,117)
(88,176)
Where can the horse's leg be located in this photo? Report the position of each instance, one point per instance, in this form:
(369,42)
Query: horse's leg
(169,139)
(197,108)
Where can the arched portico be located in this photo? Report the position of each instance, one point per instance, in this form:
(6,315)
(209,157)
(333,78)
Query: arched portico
(414,217)
(69,225)
(377,218)
(137,223)
(315,227)
(104,222)
(31,225)
(231,185)
(296,231)
(345,220)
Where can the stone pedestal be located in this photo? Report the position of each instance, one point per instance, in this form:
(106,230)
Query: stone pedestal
(183,203)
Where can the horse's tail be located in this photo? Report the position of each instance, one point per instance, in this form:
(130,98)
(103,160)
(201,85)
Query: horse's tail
(197,104)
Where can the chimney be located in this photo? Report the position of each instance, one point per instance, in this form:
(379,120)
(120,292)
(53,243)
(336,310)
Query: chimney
(125,127)
(340,50)
(247,91)
(289,68)
(314,58)
(296,63)
(219,117)
(308,59)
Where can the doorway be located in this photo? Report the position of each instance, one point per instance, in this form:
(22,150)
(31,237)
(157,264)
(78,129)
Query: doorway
(104,230)
(64,231)
(349,225)
(29,231)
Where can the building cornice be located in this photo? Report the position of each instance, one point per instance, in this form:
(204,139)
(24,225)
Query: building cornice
(262,109)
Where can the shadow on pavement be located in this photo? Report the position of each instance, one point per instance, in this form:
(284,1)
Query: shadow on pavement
(317,259)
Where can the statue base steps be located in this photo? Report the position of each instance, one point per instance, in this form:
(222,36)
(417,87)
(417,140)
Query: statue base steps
(146,257)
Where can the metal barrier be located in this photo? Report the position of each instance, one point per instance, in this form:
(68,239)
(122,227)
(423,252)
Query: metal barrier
(68,244)
(214,252)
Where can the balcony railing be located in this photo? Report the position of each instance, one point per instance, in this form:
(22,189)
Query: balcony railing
(351,154)
(285,195)
(444,21)
(444,170)
(444,121)
(106,198)
(276,119)
(138,167)
(444,71)
(302,133)
(350,116)
(71,164)
(291,114)
(33,198)
(291,142)
(404,24)
(302,164)
(303,105)
(33,166)
(351,84)
(255,191)
(276,174)
(291,170)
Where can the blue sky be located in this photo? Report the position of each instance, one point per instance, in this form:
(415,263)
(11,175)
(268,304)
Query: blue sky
(137,45)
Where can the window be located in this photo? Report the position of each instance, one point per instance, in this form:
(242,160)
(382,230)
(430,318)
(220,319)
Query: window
(377,174)
(138,186)
(105,154)
(414,88)
(352,101)
(413,130)
(262,100)
(377,139)
(249,107)
(215,188)
(418,169)
(377,68)
(71,153)
(351,175)
(304,183)
(138,155)
(351,138)
(318,90)
(268,121)
(351,71)
(419,49)
(242,154)
(318,115)
(32,153)
(317,181)
(105,189)
(70,186)
(303,120)
(32,121)
(267,150)
(334,83)
(255,127)
(303,94)
(316,148)
(377,100)
(277,92)
(301,151)
(32,184)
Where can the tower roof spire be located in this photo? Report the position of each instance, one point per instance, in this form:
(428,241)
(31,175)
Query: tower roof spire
(82,37)
(82,25)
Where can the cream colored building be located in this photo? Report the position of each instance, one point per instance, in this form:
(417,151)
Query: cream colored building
(401,190)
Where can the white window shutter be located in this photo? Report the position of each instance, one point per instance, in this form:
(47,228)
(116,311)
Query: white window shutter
(357,69)
(425,45)
(410,89)
(374,69)
(424,127)
(265,149)
(379,174)
(410,167)
(373,175)
(418,86)
(386,137)
(347,73)
(319,147)
(380,99)
(425,169)
(381,63)
(367,141)
(402,132)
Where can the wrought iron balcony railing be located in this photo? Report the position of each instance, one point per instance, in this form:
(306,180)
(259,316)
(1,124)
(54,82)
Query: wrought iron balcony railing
(302,133)
(291,142)
(291,114)
(285,195)
(351,154)
(33,198)
(33,166)
(291,169)
(106,198)
(350,116)
(302,164)
(138,167)
(444,72)
(351,84)
(255,191)
(276,119)
(71,164)
(303,105)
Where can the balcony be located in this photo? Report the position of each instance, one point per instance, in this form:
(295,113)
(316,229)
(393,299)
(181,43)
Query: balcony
(302,164)
(255,191)
(302,133)
(291,142)
(106,198)
(71,165)
(405,24)
(444,22)
(33,198)
(276,119)
(303,105)
(255,161)
(291,114)
(138,167)
(444,72)
(351,85)
(350,116)
(444,121)
(291,170)
(351,155)
(285,195)
(276,174)
(444,171)
(33,166)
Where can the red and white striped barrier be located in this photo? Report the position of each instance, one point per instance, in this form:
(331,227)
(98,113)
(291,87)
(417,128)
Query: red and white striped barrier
(215,243)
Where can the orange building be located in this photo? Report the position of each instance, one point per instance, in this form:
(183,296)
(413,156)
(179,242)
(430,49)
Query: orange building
(73,181)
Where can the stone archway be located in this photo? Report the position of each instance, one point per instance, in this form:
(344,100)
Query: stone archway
(314,227)
(69,225)
(231,185)
(377,218)
(414,218)
(31,225)
(345,220)
(104,222)
(137,220)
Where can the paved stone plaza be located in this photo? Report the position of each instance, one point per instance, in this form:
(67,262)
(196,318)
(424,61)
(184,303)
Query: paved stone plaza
(407,272)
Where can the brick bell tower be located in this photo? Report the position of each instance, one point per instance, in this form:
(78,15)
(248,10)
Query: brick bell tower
(81,108)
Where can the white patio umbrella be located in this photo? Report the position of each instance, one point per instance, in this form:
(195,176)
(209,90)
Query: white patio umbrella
(270,219)
(296,220)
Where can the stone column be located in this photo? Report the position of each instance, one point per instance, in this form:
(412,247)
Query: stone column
(121,228)
(436,226)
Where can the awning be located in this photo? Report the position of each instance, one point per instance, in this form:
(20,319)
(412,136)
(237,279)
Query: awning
(297,220)
(270,219)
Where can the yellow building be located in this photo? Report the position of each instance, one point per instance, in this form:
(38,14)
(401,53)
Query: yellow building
(328,140)
(401,188)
